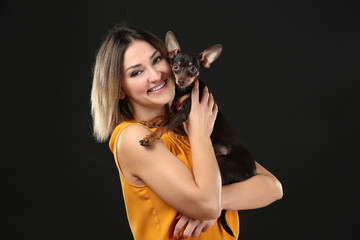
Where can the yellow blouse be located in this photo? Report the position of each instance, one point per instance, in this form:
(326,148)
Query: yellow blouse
(150,218)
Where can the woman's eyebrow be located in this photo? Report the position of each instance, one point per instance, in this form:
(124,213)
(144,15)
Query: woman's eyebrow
(138,65)
(153,54)
(133,66)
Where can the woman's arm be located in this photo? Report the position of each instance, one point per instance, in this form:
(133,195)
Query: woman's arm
(255,192)
(197,194)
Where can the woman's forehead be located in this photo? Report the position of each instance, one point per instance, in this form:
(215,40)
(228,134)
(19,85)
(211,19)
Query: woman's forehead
(137,52)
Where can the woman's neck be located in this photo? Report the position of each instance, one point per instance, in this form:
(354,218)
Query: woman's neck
(147,114)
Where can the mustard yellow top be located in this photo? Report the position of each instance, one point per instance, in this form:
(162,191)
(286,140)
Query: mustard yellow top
(150,218)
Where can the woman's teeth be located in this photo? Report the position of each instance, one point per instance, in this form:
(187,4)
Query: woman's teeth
(157,88)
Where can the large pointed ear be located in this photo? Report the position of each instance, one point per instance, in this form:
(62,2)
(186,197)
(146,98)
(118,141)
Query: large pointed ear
(172,45)
(208,56)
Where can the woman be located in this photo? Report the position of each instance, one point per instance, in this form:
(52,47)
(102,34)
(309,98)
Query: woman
(169,191)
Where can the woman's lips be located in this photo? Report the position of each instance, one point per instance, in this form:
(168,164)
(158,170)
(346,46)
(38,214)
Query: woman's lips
(157,88)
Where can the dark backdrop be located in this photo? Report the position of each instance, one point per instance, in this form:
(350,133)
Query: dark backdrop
(288,79)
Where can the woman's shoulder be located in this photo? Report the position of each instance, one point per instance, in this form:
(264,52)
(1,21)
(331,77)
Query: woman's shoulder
(129,124)
(134,132)
(128,132)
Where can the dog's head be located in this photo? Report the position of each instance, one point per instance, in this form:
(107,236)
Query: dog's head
(185,65)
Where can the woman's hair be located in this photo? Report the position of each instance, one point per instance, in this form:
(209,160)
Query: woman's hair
(106,107)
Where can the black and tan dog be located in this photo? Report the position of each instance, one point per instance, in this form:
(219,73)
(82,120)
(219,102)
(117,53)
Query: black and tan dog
(235,161)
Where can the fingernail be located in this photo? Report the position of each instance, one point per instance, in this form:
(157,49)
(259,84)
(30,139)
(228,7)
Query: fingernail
(175,238)
(215,102)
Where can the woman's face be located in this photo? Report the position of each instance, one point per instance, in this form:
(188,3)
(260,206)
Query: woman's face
(147,77)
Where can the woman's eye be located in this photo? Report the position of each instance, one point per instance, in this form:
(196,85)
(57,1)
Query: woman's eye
(135,73)
(158,59)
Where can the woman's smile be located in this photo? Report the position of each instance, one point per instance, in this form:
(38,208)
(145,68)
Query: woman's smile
(158,87)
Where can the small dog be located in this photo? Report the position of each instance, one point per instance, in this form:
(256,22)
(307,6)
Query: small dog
(235,161)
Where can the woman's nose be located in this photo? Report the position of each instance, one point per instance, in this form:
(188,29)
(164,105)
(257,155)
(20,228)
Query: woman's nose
(154,75)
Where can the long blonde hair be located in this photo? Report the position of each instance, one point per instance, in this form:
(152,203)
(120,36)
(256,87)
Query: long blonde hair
(107,109)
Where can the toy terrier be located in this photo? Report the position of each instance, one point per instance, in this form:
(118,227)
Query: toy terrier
(235,161)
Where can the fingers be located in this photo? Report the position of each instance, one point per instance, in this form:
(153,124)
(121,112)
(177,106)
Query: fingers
(180,225)
(191,227)
(211,101)
(215,110)
(205,95)
(198,230)
(195,92)
(188,232)
(213,107)
(208,226)
(188,225)
(208,98)
(203,112)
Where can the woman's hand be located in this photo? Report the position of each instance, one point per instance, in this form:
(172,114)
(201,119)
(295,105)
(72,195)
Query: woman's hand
(192,227)
(203,113)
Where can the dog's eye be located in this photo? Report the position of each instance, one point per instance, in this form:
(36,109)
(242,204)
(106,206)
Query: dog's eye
(192,69)
(176,67)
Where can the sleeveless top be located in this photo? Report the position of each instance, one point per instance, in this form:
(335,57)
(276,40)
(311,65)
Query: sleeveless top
(149,216)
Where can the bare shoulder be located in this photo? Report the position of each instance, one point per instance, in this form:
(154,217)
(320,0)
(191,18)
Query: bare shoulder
(134,158)
(132,134)
(128,143)
(130,153)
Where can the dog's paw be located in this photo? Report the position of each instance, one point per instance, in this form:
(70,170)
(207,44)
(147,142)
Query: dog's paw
(145,142)
(155,124)
(151,124)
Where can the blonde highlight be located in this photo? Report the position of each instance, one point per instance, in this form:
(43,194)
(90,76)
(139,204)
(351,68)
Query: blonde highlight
(107,108)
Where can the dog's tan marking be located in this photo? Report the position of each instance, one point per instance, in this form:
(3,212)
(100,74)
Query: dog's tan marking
(189,79)
(183,98)
(190,63)
(155,122)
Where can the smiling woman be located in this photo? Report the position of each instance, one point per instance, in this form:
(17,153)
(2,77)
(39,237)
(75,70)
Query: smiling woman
(169,189)
(107,110)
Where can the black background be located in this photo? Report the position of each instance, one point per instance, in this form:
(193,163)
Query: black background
(288,79)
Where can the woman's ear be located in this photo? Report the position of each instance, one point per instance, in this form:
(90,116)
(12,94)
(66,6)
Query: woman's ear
(122,94)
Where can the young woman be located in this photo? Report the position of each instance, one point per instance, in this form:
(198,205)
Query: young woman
(170,190)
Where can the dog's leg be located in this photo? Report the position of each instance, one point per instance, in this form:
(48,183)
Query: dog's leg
(155,122)
(152,137)
(175,121)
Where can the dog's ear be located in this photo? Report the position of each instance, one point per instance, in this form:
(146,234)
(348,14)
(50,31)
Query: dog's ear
(208,56)
(172,45)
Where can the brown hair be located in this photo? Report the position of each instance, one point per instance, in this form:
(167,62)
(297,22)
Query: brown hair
(106,107)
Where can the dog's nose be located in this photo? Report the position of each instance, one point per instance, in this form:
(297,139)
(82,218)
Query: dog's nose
(182,81)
